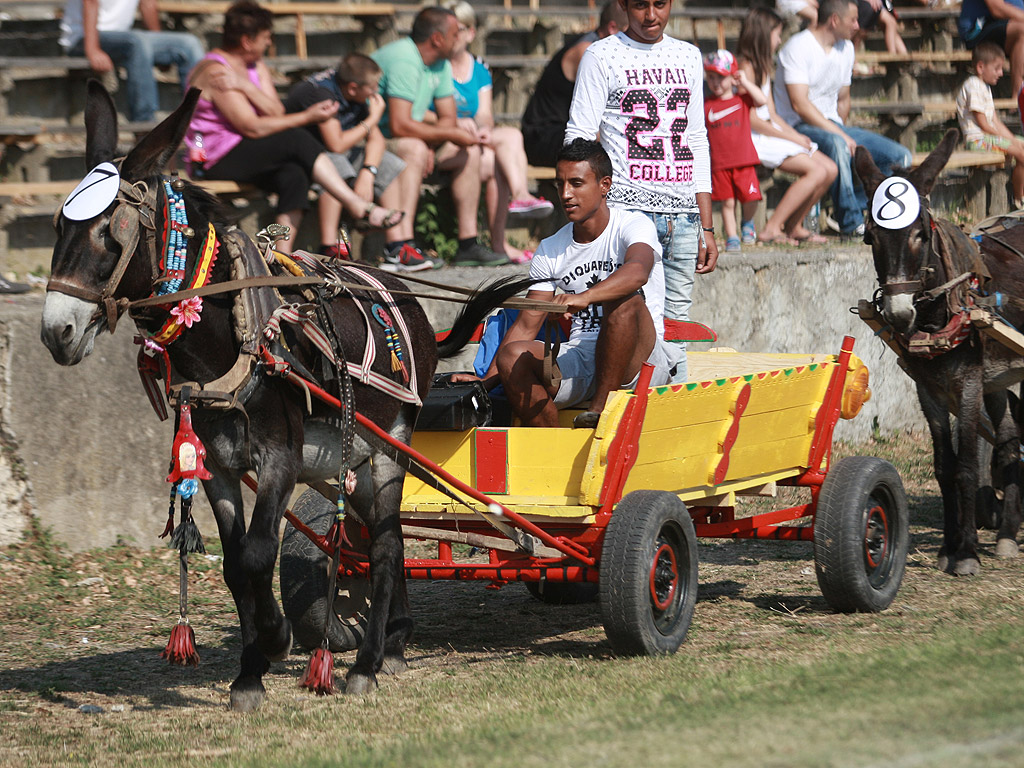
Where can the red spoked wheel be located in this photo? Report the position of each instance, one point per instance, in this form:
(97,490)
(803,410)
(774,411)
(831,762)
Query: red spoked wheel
(861,535)
(648,584)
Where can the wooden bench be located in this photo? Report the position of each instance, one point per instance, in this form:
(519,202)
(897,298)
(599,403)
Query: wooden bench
(370,13)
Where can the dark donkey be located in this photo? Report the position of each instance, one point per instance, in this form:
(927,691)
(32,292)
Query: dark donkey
(931,274)
(98,272)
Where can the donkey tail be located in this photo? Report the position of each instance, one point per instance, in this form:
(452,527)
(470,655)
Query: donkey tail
(480,304)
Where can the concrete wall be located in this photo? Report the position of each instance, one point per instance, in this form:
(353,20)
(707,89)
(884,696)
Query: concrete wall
(83,450)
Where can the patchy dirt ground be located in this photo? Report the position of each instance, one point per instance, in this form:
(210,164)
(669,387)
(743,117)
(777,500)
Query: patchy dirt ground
(84,631)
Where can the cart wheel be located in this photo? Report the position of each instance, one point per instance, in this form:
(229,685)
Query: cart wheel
(562,592)
(648,585)
(861,535)
(304,583)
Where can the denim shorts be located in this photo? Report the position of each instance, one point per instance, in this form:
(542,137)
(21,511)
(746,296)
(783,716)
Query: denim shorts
(578,365)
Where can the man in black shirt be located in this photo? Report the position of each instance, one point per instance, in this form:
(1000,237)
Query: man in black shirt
(353,140)
(547,112)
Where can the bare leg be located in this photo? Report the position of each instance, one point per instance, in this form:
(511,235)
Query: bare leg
(521,368)
(465,167)
(626,340)
(330,219)
(511,160)
(1014,48)
(729,217)
(292,220)
(891,29)
(497,194)
(813,175)
(418,159)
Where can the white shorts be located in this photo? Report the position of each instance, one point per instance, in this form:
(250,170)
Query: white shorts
(577,364)
(773,151)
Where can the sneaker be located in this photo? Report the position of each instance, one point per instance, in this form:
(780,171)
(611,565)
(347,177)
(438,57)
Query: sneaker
(6,286)
(336,251)
(537,208)
(478,255)
(857,233)
(732,245)
(407,258)
(748,234)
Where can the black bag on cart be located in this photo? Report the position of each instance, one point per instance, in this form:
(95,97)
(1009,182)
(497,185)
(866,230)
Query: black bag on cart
(455,407)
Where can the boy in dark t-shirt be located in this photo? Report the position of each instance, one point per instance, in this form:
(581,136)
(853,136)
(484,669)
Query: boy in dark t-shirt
(734,160)
(352,138)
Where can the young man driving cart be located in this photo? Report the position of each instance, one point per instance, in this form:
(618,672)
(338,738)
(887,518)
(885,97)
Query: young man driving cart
(607,264)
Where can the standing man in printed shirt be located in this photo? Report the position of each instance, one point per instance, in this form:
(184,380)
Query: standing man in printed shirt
(641,92)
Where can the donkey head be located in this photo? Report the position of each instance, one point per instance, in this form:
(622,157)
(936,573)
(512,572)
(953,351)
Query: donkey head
(91,268)
(899,229)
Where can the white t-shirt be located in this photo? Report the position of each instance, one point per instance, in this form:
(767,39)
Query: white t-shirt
(975,96)
(572,267)
(802,61)
(114,16)
(646,102)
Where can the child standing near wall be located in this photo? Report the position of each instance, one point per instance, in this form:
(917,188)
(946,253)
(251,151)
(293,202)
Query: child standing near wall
(976,111)
(734,160)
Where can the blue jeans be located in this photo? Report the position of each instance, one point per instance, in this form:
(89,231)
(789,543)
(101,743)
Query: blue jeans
(679,235)
(848,195)
(138,51)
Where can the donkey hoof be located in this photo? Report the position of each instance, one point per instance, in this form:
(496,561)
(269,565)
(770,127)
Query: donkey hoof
(359,685)
(969,566)
(1007,548)
(247,694)
(394,665)
(943,563)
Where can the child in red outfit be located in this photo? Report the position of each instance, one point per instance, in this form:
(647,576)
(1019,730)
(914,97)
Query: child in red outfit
(734,160)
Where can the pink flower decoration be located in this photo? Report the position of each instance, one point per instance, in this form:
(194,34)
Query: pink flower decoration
(188,311)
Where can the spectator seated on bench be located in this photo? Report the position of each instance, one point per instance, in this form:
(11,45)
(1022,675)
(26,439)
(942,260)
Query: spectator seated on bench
(415,73)
(103,31)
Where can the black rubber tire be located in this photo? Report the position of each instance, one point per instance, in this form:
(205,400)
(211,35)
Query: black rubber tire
(861,535)
(648,585)
(563,592)
(304,583)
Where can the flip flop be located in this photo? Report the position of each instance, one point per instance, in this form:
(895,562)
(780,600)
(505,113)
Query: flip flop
(391,218)
(777,240)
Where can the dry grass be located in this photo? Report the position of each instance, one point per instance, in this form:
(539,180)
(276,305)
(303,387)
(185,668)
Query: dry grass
(768,676)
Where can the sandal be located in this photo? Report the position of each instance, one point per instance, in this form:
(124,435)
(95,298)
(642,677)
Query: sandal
(391,218)
(812,240)
(777,240)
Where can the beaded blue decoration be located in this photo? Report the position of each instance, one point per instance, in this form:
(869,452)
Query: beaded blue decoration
(177,241)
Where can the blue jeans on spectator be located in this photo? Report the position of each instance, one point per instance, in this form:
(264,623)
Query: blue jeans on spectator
(848,196)
(679,235)
(138,51)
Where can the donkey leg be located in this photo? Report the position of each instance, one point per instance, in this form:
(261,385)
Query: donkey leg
(966,561)
(944,462)
(387,629)
(1006,469)
(226,498)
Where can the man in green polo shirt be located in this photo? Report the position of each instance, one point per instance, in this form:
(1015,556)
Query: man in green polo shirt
(415,75)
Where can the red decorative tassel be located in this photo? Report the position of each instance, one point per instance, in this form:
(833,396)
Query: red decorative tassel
(319,677)
(181,648)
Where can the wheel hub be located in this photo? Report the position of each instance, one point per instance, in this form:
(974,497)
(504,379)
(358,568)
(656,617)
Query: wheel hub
(664,579)
(876,537)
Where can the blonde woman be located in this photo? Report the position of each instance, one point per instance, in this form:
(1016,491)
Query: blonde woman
(503,163)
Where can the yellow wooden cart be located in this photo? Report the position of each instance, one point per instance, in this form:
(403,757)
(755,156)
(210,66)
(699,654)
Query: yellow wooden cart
(616,511)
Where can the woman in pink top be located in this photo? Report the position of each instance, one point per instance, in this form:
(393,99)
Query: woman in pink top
(241,132)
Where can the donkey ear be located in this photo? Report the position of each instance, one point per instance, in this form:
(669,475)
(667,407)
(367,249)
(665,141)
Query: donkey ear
(924,177)
(151,154)
(100,125)
(869,174)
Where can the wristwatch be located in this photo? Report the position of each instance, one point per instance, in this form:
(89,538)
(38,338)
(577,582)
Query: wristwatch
(371,168)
